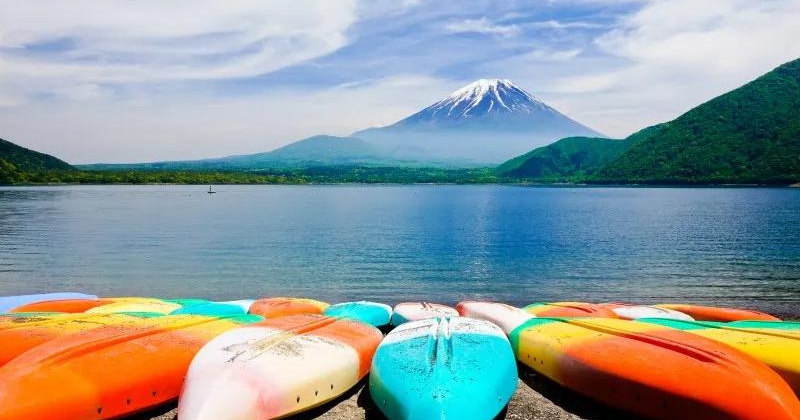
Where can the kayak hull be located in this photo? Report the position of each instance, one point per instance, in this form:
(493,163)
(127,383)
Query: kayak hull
(417,311)
(277,368)
(282,306)
(443,368)
(711,313)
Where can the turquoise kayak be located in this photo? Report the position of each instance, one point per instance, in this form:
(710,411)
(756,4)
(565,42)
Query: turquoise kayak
(443,368)
(372,313)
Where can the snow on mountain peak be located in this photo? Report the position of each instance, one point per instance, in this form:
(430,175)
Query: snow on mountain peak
(488,96)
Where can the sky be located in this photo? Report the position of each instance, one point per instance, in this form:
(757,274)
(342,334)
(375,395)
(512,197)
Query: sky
(147,80)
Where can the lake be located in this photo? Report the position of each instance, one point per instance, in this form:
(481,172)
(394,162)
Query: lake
(725,246)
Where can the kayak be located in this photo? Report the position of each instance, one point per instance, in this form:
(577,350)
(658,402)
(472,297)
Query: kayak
(107,372)
(569,309)
(283,306)
(10,302)
(652,370)
(211,308)
(277,367)
(778,348)
(443,368)
(136,304)
(62,305)
(504,316)
(633,312)
(711,313)
(30,332)
(416,311)
(372,313)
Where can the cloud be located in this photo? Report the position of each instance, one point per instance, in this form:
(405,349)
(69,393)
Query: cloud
(95,42)
(481,26)
(676,54)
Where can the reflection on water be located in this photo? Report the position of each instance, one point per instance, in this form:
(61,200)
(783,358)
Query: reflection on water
(391,243)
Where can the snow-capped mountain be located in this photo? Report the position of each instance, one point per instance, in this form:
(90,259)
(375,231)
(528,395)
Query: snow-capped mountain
(489,120)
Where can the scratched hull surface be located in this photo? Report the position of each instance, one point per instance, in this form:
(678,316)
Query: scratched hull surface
(504,316)
(651,370)
(443,368)
(106,372)
(277,367)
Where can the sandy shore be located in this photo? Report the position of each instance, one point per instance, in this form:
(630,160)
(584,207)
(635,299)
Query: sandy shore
(535,399)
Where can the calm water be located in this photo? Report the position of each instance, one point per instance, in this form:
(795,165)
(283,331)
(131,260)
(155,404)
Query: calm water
(392,243)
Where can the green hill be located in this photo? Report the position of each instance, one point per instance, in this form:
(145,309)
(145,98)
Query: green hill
(18,163)
(565,159)
(749,135)
(28,160)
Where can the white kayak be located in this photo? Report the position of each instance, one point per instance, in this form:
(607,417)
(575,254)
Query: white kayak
(276,368)
(417,311)
(633,312)
(504,316)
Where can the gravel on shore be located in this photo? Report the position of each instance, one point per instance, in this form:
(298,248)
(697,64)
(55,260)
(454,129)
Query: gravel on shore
(536,399)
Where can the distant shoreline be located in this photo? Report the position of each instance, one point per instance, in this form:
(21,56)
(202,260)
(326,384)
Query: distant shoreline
(511,184)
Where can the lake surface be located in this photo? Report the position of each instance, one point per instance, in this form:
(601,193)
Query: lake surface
(732,246)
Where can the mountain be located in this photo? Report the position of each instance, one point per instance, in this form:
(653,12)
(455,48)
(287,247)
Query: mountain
(490,120)
(312,151)
(18,164)
(748,135)
(29,160)
(569,157)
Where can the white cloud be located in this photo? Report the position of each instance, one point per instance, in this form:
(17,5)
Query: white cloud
(481,26)
(118,41)
(198,125)
(678,54)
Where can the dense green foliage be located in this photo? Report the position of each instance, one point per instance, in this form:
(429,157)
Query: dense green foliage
(749,135)
(567,159)
(27,160)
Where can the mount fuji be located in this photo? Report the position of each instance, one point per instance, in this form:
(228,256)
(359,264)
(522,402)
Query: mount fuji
(487,121)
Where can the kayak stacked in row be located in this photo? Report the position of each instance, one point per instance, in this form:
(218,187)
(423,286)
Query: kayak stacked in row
(75,357)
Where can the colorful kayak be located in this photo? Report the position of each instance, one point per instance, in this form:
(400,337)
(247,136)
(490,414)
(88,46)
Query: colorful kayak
(651,370)
(107,372)
(30,332)
(10,302)
(443,368)
(633,312)
(569,309)
(372,313)
(504,316)
(135,304)
(284,306)
(417,311)
(62,305)
(277,367)
(711,313)
(211,308)
(779,349)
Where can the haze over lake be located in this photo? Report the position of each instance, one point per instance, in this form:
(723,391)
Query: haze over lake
(737,246)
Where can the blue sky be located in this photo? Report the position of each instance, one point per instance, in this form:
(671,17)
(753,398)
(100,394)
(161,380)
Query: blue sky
(122,81)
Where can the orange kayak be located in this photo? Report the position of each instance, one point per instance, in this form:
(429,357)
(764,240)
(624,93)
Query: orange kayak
(29,332)
(284,306)
(107,372)
(651,370)
(711,313)
(570,309)
(63,305)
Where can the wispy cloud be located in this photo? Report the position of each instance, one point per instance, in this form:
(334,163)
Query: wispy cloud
(481,26)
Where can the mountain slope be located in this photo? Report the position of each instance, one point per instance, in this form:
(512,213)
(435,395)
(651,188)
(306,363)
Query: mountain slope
(29,160)
(565,158)
(749,135)
(312,151)
(490,120)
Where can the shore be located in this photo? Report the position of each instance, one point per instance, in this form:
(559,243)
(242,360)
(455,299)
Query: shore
(536,399)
